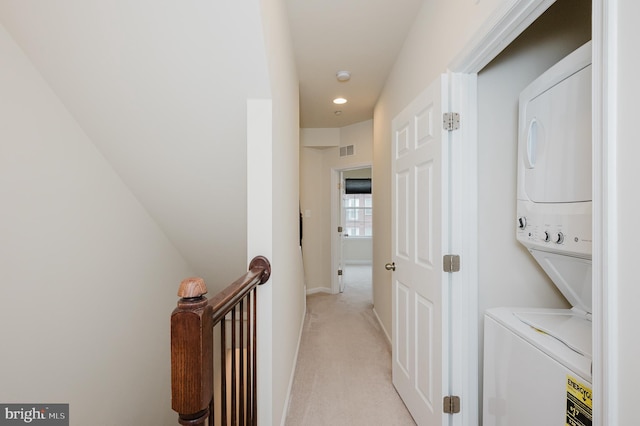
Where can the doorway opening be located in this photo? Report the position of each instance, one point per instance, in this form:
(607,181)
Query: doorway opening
(353,212)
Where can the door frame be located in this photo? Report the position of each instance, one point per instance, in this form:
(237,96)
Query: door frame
(463,334)
(505,24)
(335,218)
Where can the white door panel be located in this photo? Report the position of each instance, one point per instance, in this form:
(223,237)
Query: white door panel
(419,148)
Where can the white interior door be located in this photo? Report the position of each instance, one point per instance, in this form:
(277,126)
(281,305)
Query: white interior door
(419,166)
(342,234)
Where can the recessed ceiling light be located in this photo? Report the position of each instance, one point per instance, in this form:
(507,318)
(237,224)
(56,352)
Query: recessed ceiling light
(339,101)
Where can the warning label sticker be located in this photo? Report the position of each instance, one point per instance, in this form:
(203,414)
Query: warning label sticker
(579,403)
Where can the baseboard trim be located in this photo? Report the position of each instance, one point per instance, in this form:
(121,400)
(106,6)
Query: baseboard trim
(382,326)
(285,409)
(319,290)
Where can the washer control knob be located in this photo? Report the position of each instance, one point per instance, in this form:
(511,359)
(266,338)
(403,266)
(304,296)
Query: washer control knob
(522,222)
(558,237)
(546,237)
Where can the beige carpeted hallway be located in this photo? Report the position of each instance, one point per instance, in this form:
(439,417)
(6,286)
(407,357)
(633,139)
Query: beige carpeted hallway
(343,376)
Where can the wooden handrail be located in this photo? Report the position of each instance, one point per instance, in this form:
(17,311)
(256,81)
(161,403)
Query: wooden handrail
(192,348)
(259,273)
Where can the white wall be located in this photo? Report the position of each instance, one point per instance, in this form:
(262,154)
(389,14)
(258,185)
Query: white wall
(320,137)
(160,88)
(88,280)
(287,280)
(316,167)
(316,249)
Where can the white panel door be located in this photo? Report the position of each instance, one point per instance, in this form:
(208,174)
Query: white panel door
(342,234)
(419,149)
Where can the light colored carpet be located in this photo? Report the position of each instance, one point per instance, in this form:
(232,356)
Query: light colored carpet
(343,376)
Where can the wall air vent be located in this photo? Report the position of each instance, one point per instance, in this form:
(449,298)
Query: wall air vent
(346,151)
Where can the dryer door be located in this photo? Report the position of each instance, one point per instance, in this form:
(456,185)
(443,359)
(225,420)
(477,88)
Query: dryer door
(555,144)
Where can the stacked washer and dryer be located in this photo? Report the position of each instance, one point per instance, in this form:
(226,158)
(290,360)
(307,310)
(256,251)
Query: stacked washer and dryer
(538,362)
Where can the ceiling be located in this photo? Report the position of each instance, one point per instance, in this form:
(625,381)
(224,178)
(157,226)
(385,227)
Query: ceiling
(360,36)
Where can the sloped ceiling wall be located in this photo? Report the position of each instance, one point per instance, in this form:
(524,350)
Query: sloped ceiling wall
(160,87)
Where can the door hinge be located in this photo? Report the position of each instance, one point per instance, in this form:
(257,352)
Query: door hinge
(339,228)
(450,263)
(451,404)
(339,272)
(450,121)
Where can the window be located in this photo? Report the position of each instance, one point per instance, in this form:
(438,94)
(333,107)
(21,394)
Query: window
(358,215)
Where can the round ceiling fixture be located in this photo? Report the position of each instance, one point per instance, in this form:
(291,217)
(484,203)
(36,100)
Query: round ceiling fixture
(343,76)
(339,101)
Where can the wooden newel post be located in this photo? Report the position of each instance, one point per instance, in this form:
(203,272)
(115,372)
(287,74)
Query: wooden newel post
(192,353)
(192,324)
